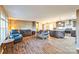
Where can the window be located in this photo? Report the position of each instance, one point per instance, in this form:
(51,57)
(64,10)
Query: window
(3,27)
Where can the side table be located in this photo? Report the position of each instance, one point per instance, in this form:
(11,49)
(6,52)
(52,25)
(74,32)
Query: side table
(6,42)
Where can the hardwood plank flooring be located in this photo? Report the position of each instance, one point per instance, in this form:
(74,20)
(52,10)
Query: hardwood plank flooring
(32,45)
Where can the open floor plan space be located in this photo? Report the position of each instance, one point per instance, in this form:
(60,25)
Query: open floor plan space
(39,29)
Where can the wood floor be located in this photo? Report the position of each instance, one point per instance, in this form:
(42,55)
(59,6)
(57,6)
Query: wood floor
(32,45)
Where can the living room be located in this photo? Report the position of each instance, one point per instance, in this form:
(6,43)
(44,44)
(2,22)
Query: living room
(38,29)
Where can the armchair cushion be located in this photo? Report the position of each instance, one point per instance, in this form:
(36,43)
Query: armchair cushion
(14,34)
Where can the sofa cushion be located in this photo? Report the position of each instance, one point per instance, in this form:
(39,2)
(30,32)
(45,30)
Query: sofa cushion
(14,34)
(57,34)
(26,32)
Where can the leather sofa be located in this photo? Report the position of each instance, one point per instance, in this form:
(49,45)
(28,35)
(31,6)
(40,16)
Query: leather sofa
(26,32)
(14,34)
(73,33)
(52,33)
(57,34)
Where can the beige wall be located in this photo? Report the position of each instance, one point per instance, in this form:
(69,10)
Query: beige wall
(47,26)
(40,26)
(18,24)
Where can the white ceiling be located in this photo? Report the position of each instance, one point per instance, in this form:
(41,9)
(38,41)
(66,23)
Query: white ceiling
(41,12)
